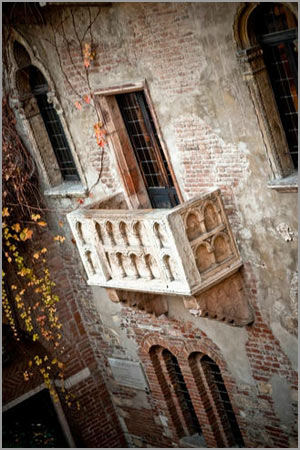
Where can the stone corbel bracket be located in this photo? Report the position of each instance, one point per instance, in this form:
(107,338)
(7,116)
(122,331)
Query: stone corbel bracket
(149,303)
(225,302)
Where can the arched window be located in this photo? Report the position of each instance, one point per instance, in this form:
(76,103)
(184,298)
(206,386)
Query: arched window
(266,35)
(197,399)
(211,387)
(45,122)
(175,391)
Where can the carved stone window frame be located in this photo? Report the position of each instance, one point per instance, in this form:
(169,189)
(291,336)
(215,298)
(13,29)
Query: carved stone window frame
(284,176)
(131,178)
(53,186)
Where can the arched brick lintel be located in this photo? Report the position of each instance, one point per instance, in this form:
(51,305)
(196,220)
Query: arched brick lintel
(182,349)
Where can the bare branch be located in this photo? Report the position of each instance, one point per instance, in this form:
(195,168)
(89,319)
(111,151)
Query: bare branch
(91,23)
(60,64)
(70,54)
(76,32)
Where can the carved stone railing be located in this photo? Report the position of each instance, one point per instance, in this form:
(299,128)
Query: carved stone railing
(183,251)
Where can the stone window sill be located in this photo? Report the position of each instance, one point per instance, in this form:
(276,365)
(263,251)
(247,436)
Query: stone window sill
(67,189)
(287,184)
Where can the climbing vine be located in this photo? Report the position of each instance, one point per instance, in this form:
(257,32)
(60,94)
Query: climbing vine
(82,45)
(29,298)
(29,301)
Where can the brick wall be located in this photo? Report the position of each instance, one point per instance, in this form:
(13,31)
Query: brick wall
(187,55)
(253,404)
(95,424)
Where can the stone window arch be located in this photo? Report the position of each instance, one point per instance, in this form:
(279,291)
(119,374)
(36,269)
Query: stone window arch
(47,135)
(265,34)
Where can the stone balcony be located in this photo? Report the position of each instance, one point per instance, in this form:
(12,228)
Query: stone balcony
(181,251)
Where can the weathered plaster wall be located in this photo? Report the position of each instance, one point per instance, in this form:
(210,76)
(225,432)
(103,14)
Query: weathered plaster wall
(187,54)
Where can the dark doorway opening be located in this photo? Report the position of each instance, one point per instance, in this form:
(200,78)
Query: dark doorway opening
(33,424)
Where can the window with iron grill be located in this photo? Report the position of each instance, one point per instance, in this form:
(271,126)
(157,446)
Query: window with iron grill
(147,149)
(221,399)
(213,399)
(276,31)
(53,126)
(182,393)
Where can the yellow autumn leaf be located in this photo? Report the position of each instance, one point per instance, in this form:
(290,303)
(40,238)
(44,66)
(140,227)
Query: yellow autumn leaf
(35,337)
(5,212)
(42,224)
(36,255)
(35,217)
(38,360)
(54,361)
(16,227)
(26,234)
(43,250)
(30,363)
(13,287)
(22,272)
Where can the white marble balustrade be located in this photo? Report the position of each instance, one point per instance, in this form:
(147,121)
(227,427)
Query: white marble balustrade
(184,250)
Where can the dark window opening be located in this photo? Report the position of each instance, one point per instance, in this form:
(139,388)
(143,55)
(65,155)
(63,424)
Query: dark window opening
(276,31)
(53,126)
(182,393)
(222,402)
(147,149)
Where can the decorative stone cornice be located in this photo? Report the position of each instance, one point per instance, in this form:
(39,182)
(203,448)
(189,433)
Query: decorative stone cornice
(225,302)
(152,304)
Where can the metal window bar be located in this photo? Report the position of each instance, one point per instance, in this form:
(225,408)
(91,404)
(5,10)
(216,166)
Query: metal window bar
(144,139)
(170,180)
(162,376)
(57,138)
(55,131)
(140,139)
(277,34)
(285,90)
(221,398)
(182,393)
(147,149)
